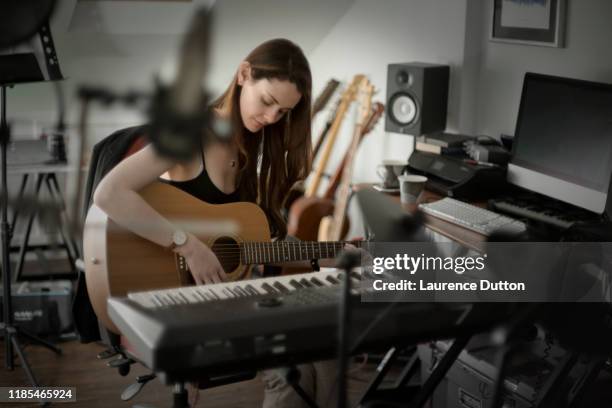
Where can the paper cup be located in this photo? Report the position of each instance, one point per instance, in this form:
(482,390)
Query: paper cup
(411,187)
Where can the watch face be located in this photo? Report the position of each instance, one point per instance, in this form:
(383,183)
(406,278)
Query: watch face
(179,238)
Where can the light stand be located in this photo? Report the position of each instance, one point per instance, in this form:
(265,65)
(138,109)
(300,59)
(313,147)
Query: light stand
(11,332)
(18,22)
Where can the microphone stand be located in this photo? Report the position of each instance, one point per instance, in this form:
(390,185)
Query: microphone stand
(11,332)
(346,261)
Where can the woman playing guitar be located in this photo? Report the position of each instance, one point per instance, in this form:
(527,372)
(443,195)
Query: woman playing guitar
(268,105)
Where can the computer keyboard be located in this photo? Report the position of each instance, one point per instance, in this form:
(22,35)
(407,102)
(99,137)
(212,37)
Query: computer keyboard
(472,217)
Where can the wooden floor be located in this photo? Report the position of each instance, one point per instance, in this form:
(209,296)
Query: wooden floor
(100,386)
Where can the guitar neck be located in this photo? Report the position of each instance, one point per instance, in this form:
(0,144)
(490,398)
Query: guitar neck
(288,251)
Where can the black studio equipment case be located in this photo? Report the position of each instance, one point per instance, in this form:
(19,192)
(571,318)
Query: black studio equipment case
(541,374)
(43,308)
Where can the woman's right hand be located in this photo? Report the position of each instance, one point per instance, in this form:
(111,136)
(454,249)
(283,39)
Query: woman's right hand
(203,263)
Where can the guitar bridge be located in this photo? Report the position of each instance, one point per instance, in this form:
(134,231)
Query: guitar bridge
(184,275)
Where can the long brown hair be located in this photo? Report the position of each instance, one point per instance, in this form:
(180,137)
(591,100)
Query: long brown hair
(284,148)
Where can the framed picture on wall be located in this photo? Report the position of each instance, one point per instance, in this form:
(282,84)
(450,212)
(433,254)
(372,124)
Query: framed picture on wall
(534,22)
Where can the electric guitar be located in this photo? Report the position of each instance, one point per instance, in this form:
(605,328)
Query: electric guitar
(306,213)
(331,227)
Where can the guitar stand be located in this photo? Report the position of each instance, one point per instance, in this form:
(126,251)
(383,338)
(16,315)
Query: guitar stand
(400,393)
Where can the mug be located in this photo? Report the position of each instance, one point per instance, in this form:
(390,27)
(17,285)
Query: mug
(388,171)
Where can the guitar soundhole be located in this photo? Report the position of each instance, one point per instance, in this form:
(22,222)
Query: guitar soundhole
(228,252)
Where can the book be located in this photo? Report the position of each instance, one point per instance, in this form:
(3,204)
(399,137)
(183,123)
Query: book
(435,149)
(445,139)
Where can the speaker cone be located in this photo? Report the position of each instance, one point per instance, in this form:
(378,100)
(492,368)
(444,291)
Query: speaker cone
(403,109)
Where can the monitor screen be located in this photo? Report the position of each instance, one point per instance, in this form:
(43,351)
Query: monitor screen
(563,140)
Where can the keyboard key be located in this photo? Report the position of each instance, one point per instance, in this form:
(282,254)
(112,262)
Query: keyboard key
(332,280)
(296,284)
(317,282)
(157,299)
(266,286)
(228,292)
(214,294)
(251,290)
(282,288)
(240,291)
(201,294)
(305,283)
(182,296)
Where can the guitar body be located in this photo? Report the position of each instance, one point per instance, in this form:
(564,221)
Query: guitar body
(118,261)
(305,215)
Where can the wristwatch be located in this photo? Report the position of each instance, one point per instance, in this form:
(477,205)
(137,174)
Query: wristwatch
(179,238)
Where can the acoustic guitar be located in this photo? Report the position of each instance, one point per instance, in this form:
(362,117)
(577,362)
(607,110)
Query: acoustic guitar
(118,261)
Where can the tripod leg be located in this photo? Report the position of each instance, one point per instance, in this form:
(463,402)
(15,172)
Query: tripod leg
(75,246)
(24,183)
(52,185)
(37,340)
(26,237)
(24,362)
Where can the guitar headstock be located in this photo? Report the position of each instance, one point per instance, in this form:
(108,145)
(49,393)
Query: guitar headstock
(375,115)
(366,90)
(350,93)
(325,96)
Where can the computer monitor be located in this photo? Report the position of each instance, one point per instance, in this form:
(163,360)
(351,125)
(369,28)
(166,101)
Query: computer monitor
(563,140)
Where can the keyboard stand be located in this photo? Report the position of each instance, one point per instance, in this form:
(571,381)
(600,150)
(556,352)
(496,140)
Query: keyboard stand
(418,396)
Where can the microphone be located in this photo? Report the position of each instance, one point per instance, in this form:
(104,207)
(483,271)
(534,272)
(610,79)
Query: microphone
(179,114)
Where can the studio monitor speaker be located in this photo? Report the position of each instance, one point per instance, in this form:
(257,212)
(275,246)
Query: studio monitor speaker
(417,97)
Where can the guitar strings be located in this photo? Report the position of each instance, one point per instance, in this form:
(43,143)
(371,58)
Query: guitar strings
(262,251)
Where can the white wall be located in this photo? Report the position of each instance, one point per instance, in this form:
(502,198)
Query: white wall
(124,45)
(587,55)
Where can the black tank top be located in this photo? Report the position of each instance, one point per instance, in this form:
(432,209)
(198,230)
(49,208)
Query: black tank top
(203,188)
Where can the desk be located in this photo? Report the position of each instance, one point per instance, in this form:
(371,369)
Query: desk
(461,235)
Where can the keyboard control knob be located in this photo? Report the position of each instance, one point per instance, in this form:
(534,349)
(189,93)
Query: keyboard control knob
(269,302)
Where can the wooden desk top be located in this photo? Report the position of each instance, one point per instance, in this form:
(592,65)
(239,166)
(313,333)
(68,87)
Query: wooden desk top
(452,231)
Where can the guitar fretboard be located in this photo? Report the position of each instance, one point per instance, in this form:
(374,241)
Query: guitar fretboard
(287,251)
